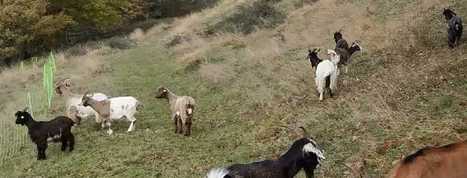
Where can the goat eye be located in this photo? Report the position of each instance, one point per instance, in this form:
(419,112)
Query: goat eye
(22,117)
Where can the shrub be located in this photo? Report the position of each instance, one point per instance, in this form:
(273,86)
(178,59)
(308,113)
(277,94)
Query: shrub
(78,50)
(119,43)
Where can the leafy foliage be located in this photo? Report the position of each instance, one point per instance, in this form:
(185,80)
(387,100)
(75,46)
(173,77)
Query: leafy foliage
(26,27)
(29,27)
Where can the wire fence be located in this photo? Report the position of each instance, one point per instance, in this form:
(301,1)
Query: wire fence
(12,138)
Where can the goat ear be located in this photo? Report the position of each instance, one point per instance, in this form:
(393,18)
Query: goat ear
(304,131)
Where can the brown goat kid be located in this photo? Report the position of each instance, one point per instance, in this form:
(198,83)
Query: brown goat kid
(434,162)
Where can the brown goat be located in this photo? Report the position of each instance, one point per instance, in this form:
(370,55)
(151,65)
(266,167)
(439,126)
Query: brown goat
(447,161)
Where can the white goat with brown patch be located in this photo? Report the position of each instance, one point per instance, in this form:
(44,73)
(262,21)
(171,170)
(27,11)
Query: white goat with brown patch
(116,108)
(74,109)
(182,108)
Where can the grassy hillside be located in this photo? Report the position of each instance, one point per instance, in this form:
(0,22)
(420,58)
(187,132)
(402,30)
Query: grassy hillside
(254,89)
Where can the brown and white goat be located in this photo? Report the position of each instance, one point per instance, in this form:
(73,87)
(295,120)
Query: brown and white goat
(447,161)
(182,108)
(74,109)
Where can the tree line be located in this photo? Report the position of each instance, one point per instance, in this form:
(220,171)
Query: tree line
(32,27)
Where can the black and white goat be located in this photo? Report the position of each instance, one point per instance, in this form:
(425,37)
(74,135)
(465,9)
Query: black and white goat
(40,132)
(313,57)
(340,41)
(303,154)
(343,50)
(455,27)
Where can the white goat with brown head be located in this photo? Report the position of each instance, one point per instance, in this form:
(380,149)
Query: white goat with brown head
(116,108)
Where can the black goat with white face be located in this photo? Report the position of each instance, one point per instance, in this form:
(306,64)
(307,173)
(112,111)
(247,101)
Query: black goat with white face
(40,132)
(455,27)
(303,154)
(313,57)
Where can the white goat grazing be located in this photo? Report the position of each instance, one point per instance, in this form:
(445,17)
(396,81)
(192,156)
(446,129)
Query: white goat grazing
(326,74)
(74,109)
(115,108)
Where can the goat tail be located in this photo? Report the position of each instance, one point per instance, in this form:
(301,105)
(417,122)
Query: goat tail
(217,173)
(139,106)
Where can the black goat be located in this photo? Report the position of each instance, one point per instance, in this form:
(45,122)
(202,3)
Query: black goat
(455,27)
(313,57)
(58,129)
(303,154)
(340,41)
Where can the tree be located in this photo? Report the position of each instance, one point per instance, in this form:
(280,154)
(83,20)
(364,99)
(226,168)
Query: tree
(26,27)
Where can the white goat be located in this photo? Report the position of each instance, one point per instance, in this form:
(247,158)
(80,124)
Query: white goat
(326,74)
(115,108)
(74,109)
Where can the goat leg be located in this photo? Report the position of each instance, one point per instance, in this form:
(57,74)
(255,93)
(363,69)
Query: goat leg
(175,124)
(109,131)
(41,147)
(132,125)
(180,125)
(71,140)
(64,142)
(309,171)
(188,128)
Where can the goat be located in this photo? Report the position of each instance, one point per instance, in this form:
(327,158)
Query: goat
(74,109)
(326,74)
(182,108)
(343,50)
(434,162)
(346,54)
(340,41)
(313,57)
(40,132)
(114,109)
(303,154)
(455,27)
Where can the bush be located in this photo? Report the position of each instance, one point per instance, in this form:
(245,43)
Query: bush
(247,18)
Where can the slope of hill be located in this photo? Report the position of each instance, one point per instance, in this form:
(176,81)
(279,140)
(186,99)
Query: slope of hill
(255,88)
